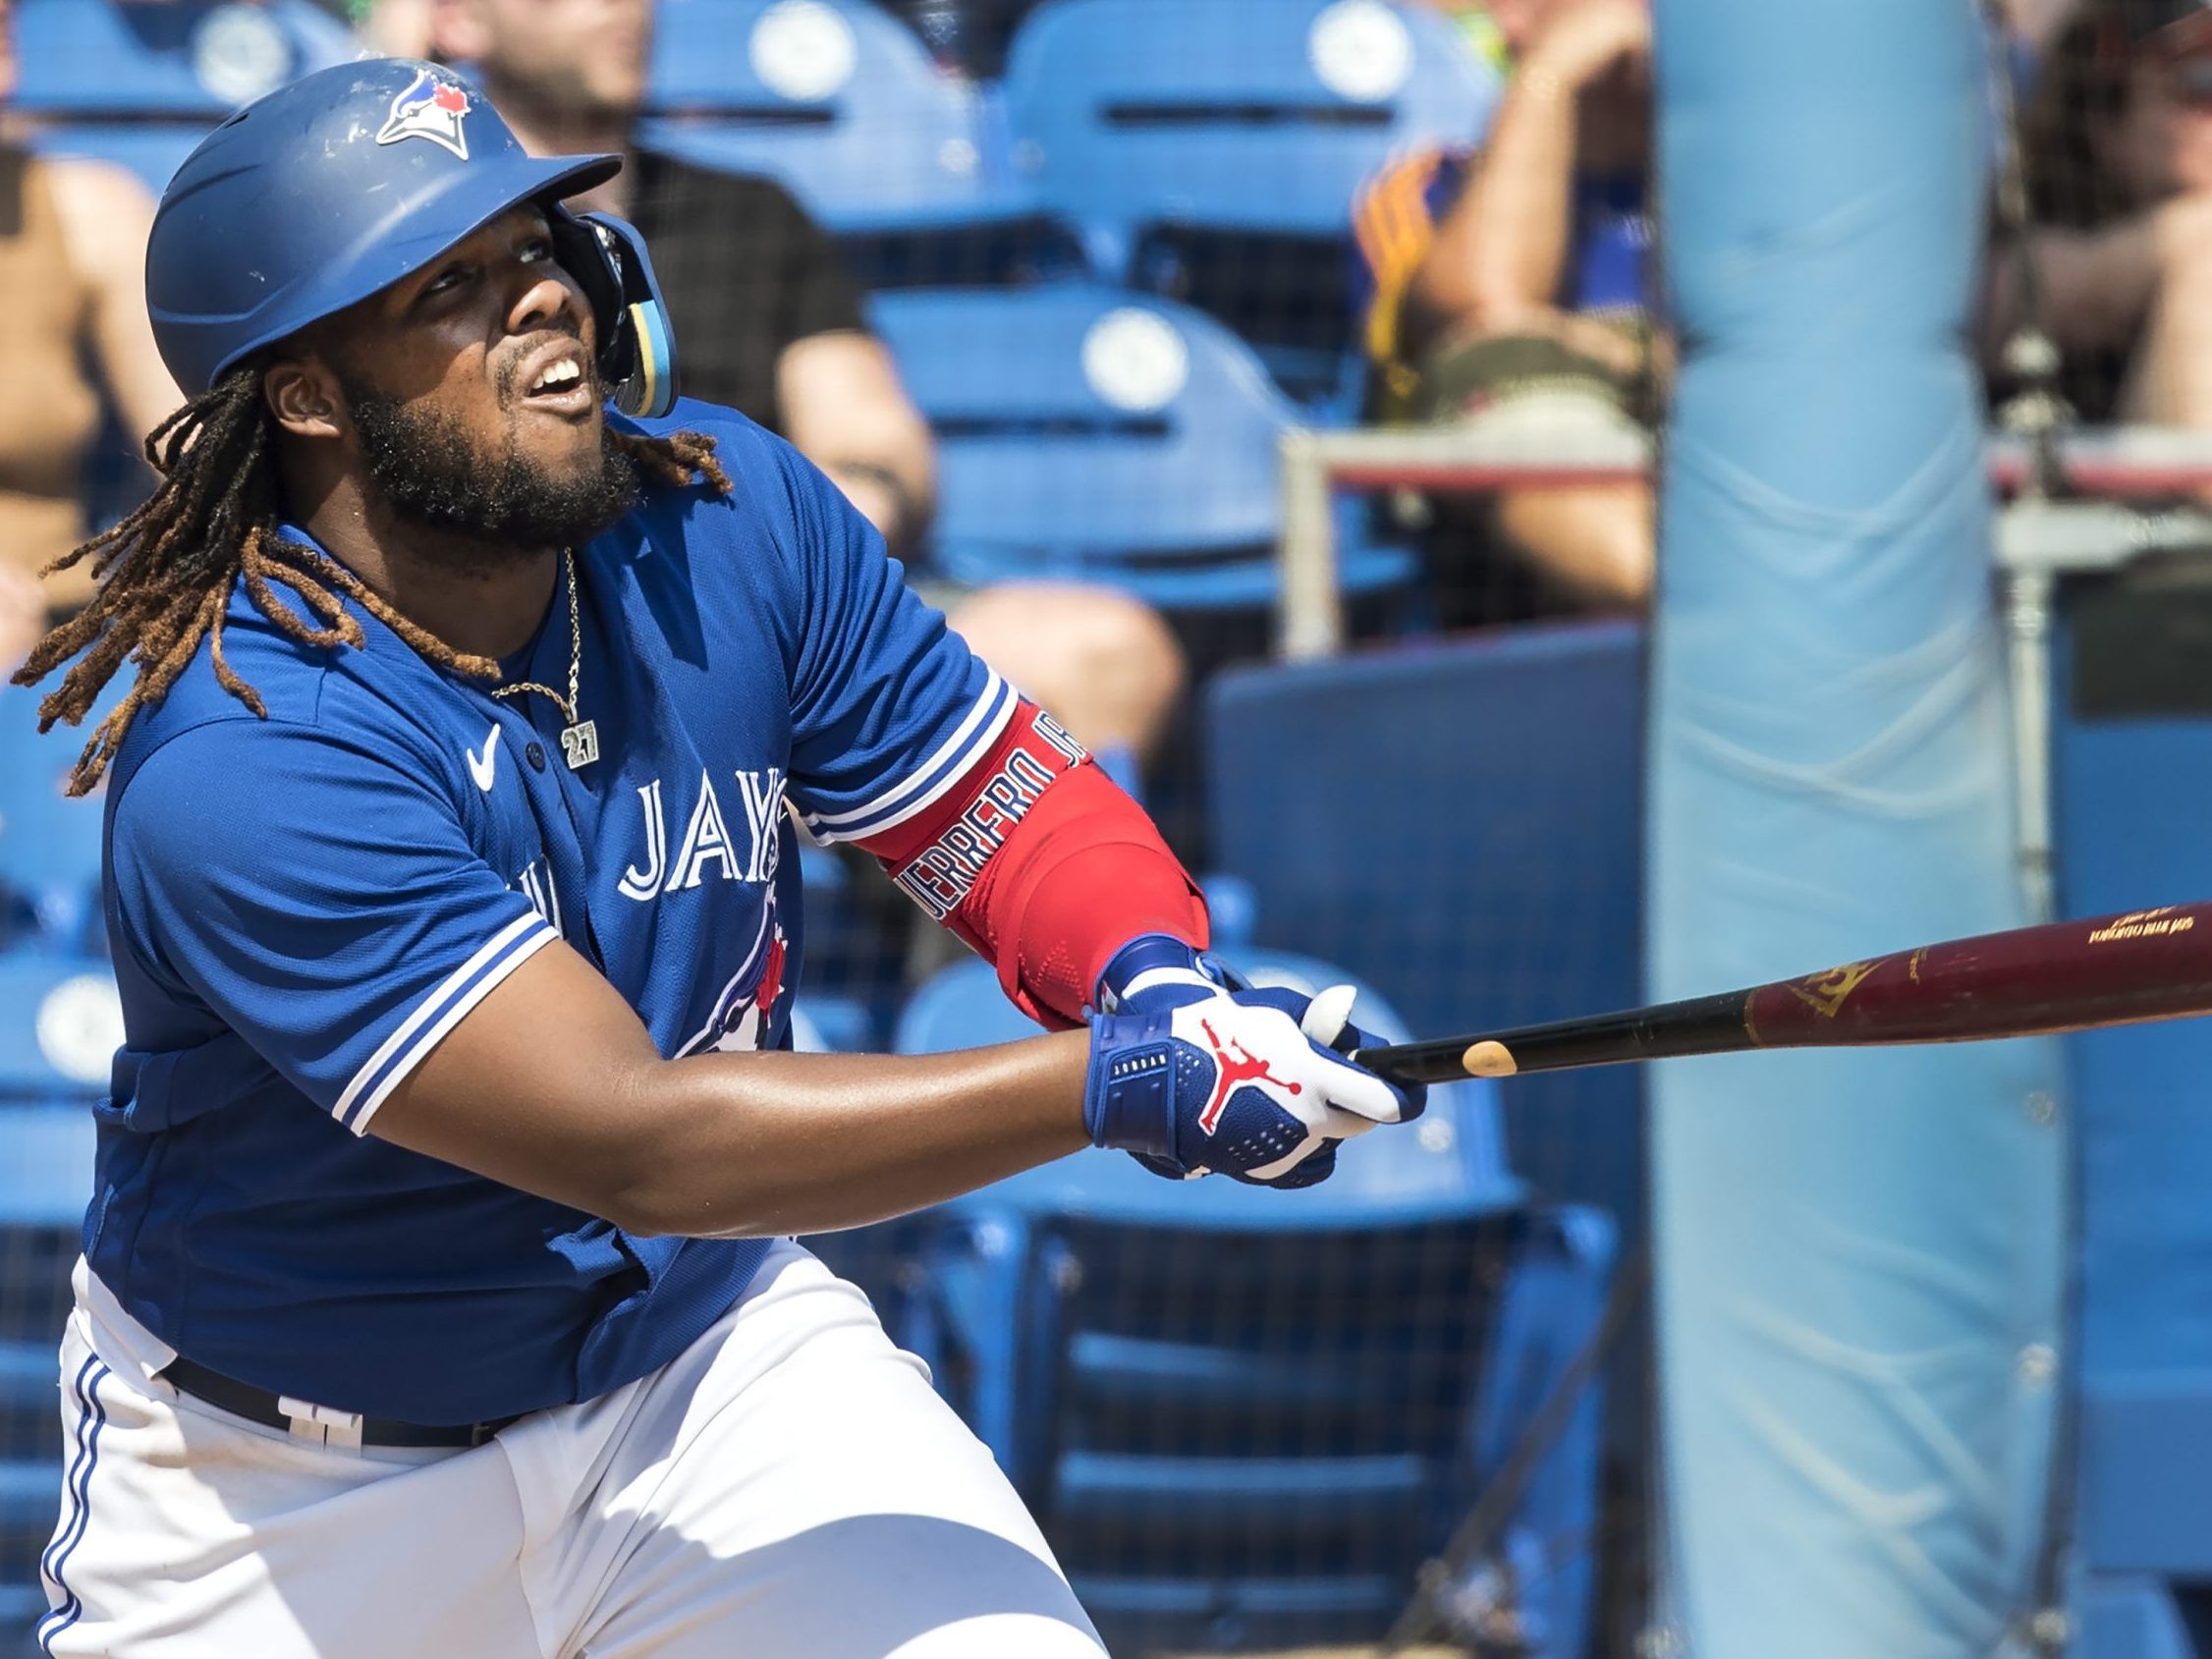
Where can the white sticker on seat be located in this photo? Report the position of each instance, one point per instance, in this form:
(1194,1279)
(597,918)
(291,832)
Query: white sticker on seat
(80,1026)
(1135,360)
(1361,50)
(804,51)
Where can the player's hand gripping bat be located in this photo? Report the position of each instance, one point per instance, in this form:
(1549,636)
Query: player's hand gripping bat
(2063,977)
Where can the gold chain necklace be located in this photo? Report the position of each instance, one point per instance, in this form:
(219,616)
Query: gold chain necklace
(580,738)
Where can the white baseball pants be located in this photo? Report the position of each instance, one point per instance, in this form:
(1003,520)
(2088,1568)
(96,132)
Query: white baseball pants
(789,1487)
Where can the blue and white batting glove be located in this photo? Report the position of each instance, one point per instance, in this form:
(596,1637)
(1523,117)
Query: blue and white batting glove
(1156,971)
(1245,1085)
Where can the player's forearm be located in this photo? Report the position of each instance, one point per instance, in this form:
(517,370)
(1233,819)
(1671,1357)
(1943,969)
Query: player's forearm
(759,1145)
(1501,250)
(552,1085)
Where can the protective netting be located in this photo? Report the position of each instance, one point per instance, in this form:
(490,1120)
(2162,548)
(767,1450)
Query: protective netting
(1110,252)
(34,1266)
(1046,286)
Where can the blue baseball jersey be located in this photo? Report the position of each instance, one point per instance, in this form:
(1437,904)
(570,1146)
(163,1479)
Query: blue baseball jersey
(303,906)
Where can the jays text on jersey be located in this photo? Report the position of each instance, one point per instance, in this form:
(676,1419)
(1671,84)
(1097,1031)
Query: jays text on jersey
(301,906)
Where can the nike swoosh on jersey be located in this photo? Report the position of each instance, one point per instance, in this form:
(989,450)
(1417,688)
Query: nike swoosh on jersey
(485,767)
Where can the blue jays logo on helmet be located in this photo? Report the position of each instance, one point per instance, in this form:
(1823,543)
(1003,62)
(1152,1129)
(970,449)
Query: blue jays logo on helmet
(430,107)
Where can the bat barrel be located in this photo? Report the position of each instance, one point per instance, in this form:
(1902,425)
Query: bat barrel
(2062,977)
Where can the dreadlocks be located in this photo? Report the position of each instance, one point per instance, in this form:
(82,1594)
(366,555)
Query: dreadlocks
(166,570)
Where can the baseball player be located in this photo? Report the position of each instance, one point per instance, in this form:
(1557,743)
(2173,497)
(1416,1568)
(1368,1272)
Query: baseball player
(438,1295)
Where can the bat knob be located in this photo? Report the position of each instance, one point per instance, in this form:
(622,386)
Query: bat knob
(1488,1060)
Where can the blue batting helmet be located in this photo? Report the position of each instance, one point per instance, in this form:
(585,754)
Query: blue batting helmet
(342,183)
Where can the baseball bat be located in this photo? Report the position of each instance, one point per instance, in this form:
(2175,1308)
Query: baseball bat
(2028,981)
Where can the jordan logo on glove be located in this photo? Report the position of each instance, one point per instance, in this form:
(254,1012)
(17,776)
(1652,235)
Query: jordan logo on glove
(1234,1066)
(1195,1071)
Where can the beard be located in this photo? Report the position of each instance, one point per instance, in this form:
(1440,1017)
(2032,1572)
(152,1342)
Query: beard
(431,473)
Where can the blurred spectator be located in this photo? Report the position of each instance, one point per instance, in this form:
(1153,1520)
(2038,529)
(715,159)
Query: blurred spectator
(169,65)
(75,337)
(768,322)
(2035,23)
(396,28)
(2118,155)
(1511,288)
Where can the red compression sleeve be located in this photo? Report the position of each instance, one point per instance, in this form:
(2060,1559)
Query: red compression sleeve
(1044,866)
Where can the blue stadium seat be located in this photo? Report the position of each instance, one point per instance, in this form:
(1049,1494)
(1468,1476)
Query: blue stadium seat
(140,84)
(1085,432)
(2131,779)
(46,1154)
(828,1025)
(58,1023)
(1495,880)
(1262,114)
(851,969)
(835,98)
(1244,1417)
(50,843)
(967,37)
(1495,876)
(1212,149)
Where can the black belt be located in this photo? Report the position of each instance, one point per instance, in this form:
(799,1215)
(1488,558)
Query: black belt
(260,1406)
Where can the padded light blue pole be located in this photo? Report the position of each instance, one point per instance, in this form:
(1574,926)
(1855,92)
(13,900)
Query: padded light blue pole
(1858,1251)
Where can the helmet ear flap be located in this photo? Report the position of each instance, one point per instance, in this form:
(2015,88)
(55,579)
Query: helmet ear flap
(637,358)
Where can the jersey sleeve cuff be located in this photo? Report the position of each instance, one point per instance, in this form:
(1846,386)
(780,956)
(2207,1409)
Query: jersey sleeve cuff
(436,1015)
(922,787)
